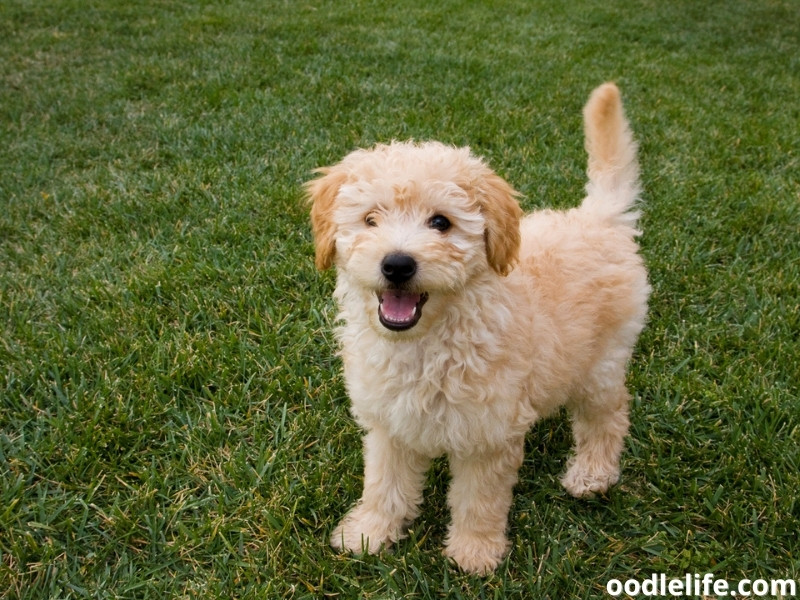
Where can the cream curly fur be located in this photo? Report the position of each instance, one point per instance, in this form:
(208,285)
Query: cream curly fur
(516,317)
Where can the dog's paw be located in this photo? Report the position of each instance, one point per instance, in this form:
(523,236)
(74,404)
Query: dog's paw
(582,481)
(364,531)
(476,554)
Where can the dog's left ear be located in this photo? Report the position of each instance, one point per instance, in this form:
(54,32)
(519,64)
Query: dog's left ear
(498,201)
(322,194)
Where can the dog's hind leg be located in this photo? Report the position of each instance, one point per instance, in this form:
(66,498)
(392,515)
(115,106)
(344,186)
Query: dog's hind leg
(599,426)
(394,476)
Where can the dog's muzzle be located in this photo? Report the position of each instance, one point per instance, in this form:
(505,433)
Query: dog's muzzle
(399,309)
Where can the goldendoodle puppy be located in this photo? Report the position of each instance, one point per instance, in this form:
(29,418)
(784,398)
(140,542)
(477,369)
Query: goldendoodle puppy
(463,322)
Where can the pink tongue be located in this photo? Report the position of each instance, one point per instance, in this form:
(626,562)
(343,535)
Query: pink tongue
(399,306)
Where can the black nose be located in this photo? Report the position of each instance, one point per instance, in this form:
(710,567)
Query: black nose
(398,268)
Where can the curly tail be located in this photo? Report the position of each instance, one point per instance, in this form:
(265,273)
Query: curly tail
(613,187)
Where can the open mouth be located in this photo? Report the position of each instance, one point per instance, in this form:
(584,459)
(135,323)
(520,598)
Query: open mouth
(400,310)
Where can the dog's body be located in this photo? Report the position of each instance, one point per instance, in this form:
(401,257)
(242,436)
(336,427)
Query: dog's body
(464,323)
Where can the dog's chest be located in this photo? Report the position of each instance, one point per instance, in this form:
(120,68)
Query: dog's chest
(436,400)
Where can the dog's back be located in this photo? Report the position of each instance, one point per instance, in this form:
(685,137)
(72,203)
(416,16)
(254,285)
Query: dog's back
(582,266)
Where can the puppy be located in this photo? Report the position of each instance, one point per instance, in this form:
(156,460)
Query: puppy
(463,323)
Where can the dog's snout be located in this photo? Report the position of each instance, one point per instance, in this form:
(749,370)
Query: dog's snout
(398,268)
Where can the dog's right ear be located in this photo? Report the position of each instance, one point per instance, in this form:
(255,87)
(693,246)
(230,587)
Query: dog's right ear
(322,194)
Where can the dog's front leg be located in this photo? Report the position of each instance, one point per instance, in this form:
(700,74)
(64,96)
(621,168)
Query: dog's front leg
(394,476)
(480,498)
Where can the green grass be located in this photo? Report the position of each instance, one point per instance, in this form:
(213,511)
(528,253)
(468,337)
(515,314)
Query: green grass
(173,422)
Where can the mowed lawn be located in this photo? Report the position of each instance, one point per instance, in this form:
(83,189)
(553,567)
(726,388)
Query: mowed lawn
(173,420)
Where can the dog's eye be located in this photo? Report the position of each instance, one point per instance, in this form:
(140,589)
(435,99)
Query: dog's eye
(370,220)
(439,223)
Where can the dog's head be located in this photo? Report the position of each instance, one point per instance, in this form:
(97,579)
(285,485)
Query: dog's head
(411,224)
